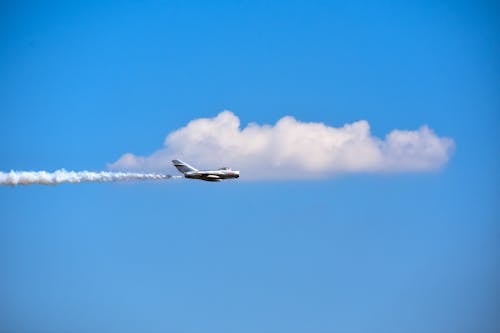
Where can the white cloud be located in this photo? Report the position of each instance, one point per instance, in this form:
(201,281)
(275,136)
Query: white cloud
(293,149)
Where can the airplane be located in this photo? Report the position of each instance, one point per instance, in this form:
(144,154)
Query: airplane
(207,175)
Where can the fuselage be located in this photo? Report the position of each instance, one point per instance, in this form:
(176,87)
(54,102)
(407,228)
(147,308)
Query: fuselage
(212,175)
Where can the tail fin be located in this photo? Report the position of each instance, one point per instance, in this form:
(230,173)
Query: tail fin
(183,167)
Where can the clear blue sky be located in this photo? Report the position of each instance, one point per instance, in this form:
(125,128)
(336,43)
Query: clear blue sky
(82,84)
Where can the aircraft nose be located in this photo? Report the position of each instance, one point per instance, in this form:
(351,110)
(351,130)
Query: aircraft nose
(237,174)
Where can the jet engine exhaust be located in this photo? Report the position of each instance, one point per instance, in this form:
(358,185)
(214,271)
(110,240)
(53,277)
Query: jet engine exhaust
(62,176)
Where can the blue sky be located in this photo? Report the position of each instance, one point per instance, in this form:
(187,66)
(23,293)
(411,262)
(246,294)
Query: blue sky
(80,85)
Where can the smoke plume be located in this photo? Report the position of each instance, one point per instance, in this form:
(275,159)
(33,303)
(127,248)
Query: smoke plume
(62,176)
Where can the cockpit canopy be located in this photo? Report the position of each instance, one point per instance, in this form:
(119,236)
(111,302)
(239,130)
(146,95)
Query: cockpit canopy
(225,168)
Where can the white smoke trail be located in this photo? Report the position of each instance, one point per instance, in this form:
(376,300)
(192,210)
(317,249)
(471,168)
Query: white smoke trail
(62,176)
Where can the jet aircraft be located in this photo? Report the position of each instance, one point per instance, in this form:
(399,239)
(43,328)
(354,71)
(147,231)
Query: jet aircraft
(207,175)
